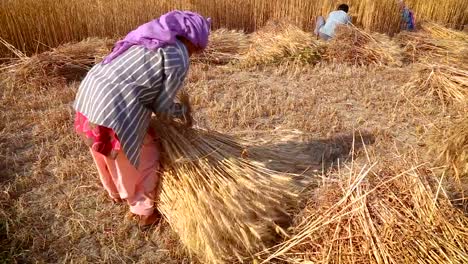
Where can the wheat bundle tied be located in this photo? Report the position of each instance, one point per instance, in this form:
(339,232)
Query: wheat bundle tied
(223,206)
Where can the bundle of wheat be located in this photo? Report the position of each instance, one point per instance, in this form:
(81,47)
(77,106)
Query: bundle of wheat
(354,46)
(224,46)
(448,82)
(430,46)
(281,42)
(66,63)
(440,32)
(223,205)
(363,214)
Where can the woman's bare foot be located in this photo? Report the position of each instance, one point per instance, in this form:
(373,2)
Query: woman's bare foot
(146,221)
(117,200)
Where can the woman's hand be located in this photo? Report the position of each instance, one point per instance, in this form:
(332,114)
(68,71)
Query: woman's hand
(187,109)
(188,120)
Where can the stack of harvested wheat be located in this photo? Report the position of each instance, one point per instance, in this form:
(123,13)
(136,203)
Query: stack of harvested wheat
(281,42)
(66,63)
(435,42)
(354,46)
(440,32)
(442,54)
(363,214)
(449,83)
(224,46)
(223,206)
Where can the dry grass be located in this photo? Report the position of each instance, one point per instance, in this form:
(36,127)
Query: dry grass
(378,213)
(36,25)
(354,46)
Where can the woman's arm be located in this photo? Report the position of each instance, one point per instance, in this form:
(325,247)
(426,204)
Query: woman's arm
(172,83)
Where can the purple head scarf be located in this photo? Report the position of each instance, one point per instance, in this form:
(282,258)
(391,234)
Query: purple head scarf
(165,30)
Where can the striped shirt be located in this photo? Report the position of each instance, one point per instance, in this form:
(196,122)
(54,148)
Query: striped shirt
(123,94)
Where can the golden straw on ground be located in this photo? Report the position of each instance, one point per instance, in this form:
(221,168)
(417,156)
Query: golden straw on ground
(449,83)
(372,214)
(440,32)
(450,147)
(435,43)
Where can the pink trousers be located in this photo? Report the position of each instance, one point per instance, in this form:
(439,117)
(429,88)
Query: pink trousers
(138,186)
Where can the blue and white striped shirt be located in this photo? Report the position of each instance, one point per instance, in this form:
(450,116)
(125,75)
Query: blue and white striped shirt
(123,94)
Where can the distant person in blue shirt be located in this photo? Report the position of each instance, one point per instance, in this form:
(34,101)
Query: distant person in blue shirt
(325,29)
(407,17)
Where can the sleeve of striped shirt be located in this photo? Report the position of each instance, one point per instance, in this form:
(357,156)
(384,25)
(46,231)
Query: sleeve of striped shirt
(164,104)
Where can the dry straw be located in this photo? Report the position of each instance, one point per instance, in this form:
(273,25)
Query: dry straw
(440,32)
(280,42)
(443,57)
(450,148)
(224,46)
(449,83)
(435,42)
(363,214)
(354,46)
(224,206)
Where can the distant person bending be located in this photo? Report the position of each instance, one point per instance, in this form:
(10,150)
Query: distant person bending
(325,29)
(116,99)
(407,17)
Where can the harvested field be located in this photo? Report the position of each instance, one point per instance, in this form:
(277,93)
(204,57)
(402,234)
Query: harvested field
(380,138)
